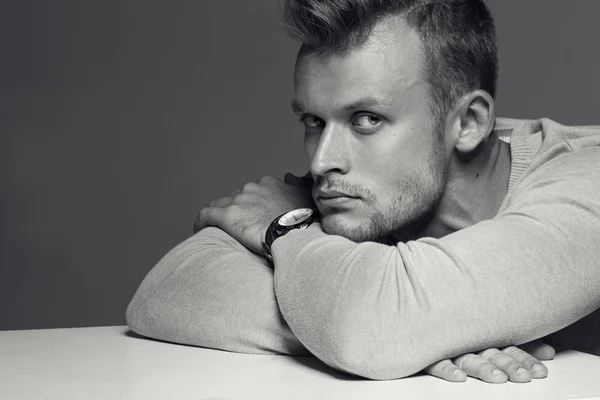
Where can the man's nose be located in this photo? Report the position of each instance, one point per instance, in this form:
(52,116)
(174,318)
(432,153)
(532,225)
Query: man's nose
(330,154)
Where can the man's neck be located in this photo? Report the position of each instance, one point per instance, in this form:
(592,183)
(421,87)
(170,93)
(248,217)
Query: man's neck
(475,189)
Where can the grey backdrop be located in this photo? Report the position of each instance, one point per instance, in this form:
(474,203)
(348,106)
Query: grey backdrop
(121,119)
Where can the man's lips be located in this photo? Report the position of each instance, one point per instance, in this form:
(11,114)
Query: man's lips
(333,194)
(335,199)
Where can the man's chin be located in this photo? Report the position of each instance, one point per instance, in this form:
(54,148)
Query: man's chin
(355,231)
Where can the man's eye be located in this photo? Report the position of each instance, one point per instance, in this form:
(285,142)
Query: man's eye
(312,122)
(366,121)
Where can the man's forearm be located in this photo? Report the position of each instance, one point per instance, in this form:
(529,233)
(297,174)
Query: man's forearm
(210,291)
(385,312)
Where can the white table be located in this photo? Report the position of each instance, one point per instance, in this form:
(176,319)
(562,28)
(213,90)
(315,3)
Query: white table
(113,363)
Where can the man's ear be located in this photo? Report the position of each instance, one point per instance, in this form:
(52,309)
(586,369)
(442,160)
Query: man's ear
(473,118)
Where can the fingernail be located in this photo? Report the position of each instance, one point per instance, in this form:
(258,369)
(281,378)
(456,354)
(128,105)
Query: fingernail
(497,372)
(522,371)
(460,374)
(538,369)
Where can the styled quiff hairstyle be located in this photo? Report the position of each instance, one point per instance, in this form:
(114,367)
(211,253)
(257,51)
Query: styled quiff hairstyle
(458,37)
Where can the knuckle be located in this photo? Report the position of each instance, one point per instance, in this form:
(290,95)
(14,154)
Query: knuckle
(248,187)
(227,213)
(198,222)
(527,359)
(215,202)
(243,197)
(268,179)
(490,354)
(463,360)
(511,350)
(231,210)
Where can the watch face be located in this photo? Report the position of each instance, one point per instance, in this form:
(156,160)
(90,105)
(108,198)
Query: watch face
(295,217)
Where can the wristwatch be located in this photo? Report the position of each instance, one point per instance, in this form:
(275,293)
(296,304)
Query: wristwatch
(300,218)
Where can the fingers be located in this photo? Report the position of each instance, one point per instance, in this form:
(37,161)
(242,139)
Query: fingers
(269,179)
(495,366)
(536,369)
(478,367)
(222,202)
(208,216)
(200,222)
(539,350)
(225,201)
(510,365)
(446,370)
(253,194)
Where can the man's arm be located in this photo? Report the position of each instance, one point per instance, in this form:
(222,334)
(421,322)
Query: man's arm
(206,308)
(211,291)
(386,312)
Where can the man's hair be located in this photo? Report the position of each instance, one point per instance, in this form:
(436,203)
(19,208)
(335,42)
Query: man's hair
(458,37)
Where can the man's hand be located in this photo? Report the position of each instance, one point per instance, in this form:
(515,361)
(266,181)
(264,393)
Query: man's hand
(494,366)
(247,213)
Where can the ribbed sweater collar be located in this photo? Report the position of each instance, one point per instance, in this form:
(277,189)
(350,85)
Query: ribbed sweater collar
(515,132)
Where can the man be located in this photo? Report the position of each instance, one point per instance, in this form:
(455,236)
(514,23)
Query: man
(442,230)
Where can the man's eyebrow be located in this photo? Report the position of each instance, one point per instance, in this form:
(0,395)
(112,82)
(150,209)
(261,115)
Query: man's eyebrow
(360,103)
(366,102)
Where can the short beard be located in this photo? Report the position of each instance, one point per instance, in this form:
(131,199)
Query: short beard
(411,209)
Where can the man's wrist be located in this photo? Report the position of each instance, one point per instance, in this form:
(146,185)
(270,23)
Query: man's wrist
(295,219)
(268,239)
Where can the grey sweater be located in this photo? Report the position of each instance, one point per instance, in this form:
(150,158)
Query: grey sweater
(386,312)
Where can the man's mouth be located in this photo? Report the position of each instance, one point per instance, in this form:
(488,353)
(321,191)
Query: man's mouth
(334,201)
(333,197)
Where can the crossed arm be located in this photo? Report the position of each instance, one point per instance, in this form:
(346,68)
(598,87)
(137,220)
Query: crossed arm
(378,311)
(211,291)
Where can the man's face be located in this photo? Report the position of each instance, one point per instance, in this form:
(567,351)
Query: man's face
(375,149)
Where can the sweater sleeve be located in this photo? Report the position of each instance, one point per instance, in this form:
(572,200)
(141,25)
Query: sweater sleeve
(387,312)
(211,291)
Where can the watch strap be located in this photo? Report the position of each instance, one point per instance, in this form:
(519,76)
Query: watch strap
(276,230)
